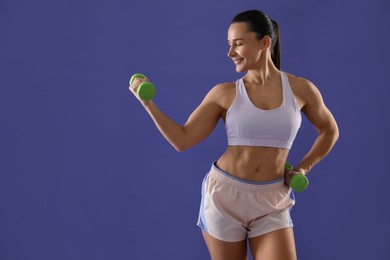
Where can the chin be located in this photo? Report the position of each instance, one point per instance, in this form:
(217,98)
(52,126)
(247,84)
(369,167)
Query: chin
(239,70)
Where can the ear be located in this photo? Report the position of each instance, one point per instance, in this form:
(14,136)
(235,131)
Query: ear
(266,42)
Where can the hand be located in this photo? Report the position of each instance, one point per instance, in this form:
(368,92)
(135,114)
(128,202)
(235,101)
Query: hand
(134,87)
(288,174)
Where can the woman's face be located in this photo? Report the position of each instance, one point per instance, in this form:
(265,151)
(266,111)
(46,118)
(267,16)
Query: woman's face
(244,47)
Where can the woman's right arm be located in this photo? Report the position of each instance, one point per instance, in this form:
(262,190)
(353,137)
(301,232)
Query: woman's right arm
(199,125)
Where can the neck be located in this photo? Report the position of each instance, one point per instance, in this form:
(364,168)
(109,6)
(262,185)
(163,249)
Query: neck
(264,72)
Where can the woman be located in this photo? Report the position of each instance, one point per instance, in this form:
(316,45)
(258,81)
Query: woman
(244,195)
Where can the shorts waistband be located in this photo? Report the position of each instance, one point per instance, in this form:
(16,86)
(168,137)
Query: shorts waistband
(242,184)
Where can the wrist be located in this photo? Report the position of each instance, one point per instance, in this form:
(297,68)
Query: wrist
(146,103)
(303,169)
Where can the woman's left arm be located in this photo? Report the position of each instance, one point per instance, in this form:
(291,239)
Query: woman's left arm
(323,121)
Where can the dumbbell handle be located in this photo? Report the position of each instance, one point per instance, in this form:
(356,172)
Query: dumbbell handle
(146,90)
(298,181)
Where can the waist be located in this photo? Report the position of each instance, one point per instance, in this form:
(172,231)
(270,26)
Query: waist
(244,185)
(253,163)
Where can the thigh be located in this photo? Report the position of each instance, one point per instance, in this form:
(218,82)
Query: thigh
(275,245)
(221,250)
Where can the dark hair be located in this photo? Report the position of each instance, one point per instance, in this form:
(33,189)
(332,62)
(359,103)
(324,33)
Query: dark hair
(262,25)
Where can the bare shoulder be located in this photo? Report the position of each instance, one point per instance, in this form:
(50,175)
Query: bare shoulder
(300,84)
(223,88)
(304,90)
(223,94)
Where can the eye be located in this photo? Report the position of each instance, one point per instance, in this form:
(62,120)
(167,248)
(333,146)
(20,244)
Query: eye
(237,45)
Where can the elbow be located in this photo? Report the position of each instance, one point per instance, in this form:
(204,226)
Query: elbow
(331,134)
(336,133)
(180,147)
(182,144)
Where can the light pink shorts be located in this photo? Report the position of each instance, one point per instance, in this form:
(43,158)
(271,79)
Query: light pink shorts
(233,209)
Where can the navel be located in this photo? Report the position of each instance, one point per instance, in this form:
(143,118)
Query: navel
(258,169)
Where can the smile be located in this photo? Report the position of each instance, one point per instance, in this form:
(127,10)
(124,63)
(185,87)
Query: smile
(238,61)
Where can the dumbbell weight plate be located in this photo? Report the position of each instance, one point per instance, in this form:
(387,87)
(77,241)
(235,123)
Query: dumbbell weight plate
(299,182)
(146,91)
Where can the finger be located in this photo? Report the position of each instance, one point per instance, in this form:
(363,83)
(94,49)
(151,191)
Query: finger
(135,83)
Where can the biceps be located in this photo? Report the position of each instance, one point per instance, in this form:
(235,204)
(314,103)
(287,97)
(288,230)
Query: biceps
(201,123)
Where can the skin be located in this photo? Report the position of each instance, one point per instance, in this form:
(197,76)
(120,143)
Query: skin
(264,87)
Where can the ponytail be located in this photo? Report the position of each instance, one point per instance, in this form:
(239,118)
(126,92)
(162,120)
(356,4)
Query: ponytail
(275,52)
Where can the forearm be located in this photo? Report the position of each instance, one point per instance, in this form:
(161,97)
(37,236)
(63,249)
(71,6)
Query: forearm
(321,147)
(173,132)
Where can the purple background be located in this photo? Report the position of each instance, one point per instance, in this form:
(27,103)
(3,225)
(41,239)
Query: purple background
(84,173)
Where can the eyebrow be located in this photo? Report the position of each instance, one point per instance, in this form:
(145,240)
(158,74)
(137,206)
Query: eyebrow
(238,39)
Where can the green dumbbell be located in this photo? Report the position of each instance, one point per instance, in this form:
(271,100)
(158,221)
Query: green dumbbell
(146,90)
(298,182)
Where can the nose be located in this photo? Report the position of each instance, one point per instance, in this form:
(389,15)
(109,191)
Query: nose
(231,53)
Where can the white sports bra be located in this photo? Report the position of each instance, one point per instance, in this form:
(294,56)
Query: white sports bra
(248,125)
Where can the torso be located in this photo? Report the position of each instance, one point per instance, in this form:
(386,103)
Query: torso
(256,163)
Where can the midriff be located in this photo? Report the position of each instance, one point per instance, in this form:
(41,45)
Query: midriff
(254,163)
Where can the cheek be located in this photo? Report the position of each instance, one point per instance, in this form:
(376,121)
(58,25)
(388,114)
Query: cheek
(248,53)
(252,55)
(244,52)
